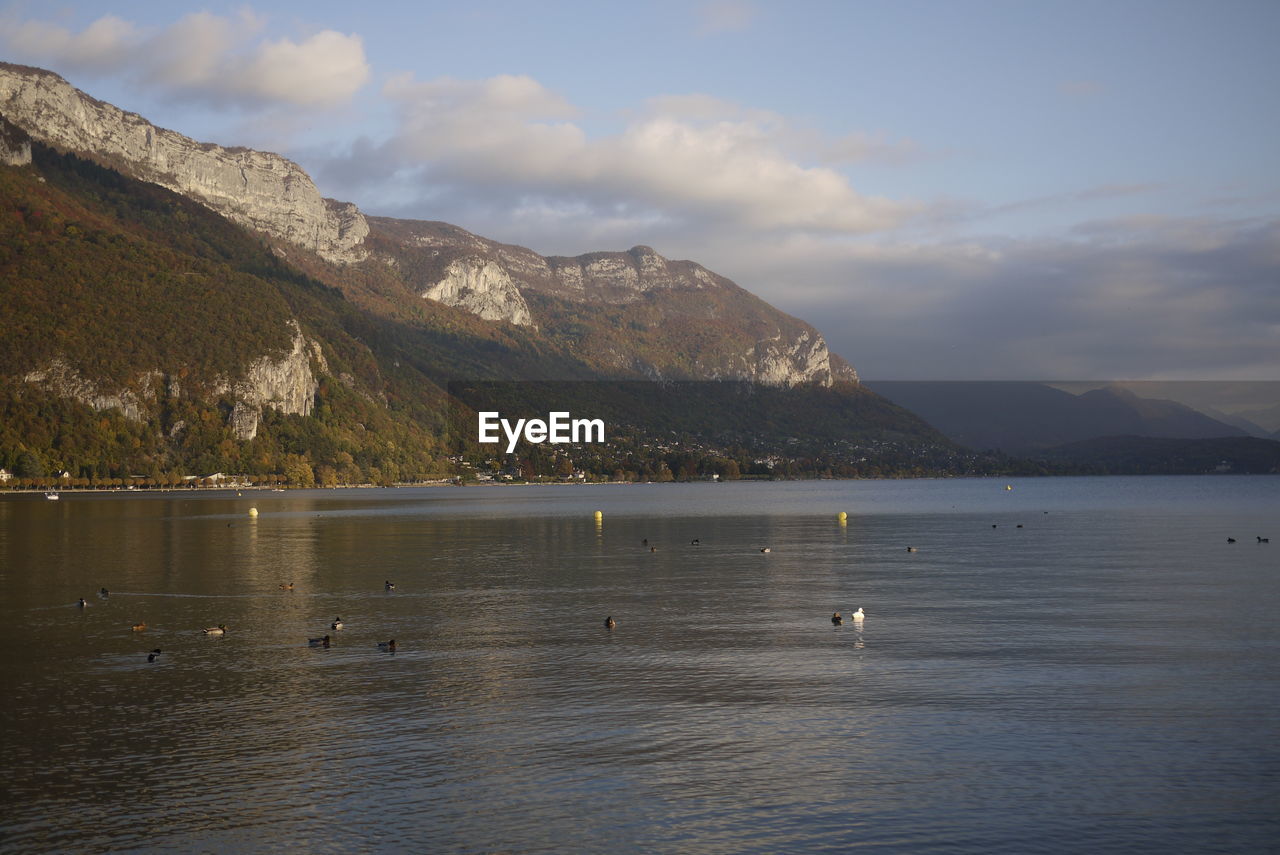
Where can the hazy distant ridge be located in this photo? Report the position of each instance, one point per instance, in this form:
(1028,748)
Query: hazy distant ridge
(1025,418)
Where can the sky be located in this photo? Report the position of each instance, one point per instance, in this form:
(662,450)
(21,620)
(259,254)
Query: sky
(946,189)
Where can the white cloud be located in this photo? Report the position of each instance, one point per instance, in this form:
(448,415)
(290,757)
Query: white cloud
(683,157)
(102,46)
(203,56)
(324,69)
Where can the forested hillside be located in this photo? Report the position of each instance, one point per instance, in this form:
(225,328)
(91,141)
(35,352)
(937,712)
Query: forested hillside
(130,312)
(149,297)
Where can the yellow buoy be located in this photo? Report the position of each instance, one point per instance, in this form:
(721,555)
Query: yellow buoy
(599,515)
(253,512)
(842,516)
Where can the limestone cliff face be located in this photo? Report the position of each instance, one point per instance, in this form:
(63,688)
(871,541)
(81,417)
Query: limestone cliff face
(286,384)
(803,358)
(65,381)
(15,144)
(483,288)
(621,277)
(257,189)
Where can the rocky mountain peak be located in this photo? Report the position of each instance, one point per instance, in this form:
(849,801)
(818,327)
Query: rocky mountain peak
(263,191)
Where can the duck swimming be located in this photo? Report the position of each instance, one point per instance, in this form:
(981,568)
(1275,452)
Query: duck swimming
(151,657)
(139,627)
(836,619)
(220,629)
(858,615)
(389,646)
(318,642)
(337,623)
(390,586)
(609,622)
(288,587)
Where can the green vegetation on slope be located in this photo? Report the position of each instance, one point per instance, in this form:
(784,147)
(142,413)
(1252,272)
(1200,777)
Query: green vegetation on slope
(148,295)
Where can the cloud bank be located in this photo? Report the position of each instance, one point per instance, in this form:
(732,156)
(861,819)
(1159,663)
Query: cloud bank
(508,144)
(202,56)
(1136,298)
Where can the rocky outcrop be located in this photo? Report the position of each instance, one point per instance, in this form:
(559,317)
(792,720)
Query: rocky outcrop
(286,384)
(483,288)
(63,380)
(620,277)
(802,359)
(260,190)
(15,144)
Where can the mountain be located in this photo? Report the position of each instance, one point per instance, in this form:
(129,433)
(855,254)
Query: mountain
(180,307)
(1026,418)
(1139,455)
(680,320)
(1251,405)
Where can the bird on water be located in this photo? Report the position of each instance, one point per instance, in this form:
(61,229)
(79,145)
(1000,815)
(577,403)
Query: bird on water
(389,646)
(318,642)
(609,622)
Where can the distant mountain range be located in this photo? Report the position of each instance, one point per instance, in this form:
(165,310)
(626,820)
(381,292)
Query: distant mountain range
(1026,418)
(1104,425)
(1251,405)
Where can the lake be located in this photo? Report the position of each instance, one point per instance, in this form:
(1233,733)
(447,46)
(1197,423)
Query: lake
(1059,665)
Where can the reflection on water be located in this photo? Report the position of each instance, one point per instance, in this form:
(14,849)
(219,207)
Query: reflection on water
(1102,678)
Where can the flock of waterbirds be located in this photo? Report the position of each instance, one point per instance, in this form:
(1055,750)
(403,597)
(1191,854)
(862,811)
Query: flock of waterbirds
(221,629)
(837,619)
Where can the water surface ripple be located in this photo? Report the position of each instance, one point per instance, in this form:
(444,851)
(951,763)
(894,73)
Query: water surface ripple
(1069,665)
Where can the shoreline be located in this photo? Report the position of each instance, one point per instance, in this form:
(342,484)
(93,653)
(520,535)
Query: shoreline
(42,492)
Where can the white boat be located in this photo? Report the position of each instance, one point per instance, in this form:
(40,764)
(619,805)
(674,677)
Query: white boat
(53,497)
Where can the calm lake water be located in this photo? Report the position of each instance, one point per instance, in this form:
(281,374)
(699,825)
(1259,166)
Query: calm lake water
(1070,665)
